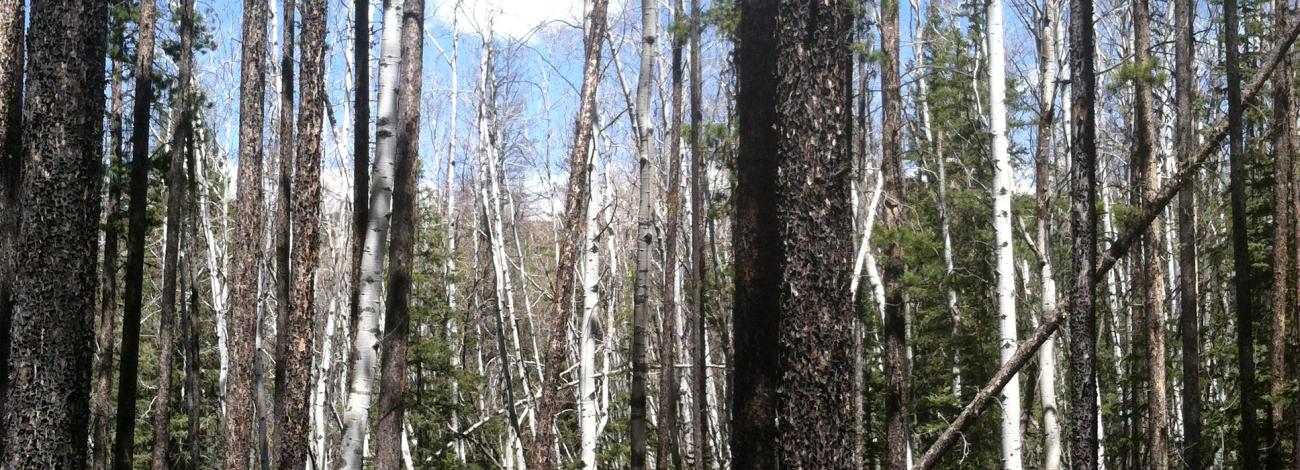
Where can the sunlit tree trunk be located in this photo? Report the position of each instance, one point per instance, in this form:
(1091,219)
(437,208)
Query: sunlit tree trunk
(539,450)
(1047,66)
(647,233)
(389,434)
(366,334)
(248,240)
(1003,238)
(1148,269)
(590,269)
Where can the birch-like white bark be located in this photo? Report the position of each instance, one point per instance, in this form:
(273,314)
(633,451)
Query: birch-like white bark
(590,271)
(1005,262)
(356,417)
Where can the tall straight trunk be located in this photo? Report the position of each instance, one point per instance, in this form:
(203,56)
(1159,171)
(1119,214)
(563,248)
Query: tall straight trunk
(699,207)
(896,360)
(1242,298)
(283,211)
(1119,248)
(11,166)
(449,269)
(242,329)
(1148,270)
(1047,66)
(190,263)
(815,227)
(588,409)
(1283,152)
(1083,250)
(647,233)
(106,333)
(1003,239)
(1188,321)
(294,342)
(365,350)
(666,431)
(177,183)
(55,255)
(392,388)
(574,226)
(137,230)
(360,155)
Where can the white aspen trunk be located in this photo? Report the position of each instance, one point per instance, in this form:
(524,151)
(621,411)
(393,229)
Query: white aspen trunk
(319,395)
(449,270)
(590,271)
(215,240)
(1047,302)
(1006,276)
(357,414)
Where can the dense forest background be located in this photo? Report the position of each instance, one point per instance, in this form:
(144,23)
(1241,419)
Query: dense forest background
(712,234)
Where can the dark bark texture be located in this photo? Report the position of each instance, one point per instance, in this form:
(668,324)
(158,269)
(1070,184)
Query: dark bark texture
(137,230)
(177,184)
(1283,153)
(247,240)
(56,257)
(1188,321)
(814,172)
(757,243)
(1242,302)
(1082,321)
(360,154)
(11,127)
(896,362)
(575,225)
(294,344)
(699,207)
(393,371)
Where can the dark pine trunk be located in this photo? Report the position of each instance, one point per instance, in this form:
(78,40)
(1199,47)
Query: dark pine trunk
(1283,133)
(667,451)
(1188,322)
(56,256)
(106,331)
(393,371)
(1082,322)
(757,242)
(247,240)
(137,229)
(294,343)
(699,206)
(895,359)
(360,155)
(284,185)
(11,128)
(175,198)
(1249,441)
(177,185)
(814,220)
